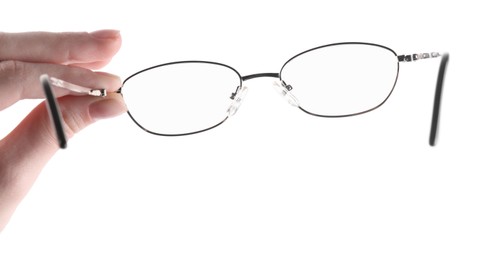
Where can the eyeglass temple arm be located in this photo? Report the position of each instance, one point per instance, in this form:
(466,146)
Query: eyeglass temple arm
(438,89)
(53,108)
(75,88)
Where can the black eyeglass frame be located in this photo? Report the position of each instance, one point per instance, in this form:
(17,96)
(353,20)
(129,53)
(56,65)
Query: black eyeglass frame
(57,121)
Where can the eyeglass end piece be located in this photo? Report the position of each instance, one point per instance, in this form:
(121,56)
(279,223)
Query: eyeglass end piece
(63,145)
(437,99)
(54,111)
(433,140)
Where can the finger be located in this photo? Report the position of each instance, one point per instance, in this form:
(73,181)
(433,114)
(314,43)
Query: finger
(93,65)
(26,150)
(63,48)
(20,80)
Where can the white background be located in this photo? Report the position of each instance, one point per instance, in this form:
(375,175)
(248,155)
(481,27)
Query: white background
(272,182)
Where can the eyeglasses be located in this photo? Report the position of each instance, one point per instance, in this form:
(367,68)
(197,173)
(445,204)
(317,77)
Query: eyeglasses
(188,97)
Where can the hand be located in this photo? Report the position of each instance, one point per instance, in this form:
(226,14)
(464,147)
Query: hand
(68,56)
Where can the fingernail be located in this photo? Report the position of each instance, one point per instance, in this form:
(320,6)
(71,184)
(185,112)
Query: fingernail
(107,107)
(105,34)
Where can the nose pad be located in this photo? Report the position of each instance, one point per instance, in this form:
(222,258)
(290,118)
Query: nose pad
(283,90)
(238,97)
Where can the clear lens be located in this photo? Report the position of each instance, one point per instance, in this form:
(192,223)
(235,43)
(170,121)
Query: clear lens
(342,79)
(181,98)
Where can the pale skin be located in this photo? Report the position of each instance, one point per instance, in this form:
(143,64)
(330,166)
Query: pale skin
(72,57)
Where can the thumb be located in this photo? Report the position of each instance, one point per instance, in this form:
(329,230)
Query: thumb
(26,150)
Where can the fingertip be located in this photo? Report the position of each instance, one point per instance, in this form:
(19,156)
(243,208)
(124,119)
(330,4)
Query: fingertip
(96,50)
(111,106)
(109,44)
(111,37)
(113,82)
(106,34)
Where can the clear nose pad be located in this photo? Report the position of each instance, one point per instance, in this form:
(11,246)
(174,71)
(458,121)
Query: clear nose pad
(284,91)
(237,97)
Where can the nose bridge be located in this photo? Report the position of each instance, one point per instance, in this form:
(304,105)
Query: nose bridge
(260,75)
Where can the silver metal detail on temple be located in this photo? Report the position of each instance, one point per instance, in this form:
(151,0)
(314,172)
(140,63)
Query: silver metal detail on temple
(418,56)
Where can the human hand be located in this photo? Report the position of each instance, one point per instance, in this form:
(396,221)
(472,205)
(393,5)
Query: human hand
(68,56)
